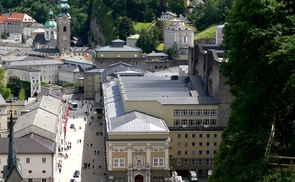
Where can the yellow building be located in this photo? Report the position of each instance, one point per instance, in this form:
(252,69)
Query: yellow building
(137,145)
(189,112)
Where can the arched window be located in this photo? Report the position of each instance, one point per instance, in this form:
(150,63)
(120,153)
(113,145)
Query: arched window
(65,29)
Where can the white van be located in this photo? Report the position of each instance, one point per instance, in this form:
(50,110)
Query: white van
(193,176)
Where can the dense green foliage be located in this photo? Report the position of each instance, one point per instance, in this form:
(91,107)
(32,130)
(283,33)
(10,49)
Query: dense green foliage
(260,72)
(4,91)
(15,85)
(69,84)
(125,28)
(172,52)
(44,84)
(22,94)
(212,12)
(4,35)
(147,41)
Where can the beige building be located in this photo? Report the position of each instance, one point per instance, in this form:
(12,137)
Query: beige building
(16,21)
(188,111)
(137,145)
(92,84)
(3,119)
(118,52)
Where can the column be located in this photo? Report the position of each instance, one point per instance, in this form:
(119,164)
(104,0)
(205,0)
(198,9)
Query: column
(129,155)
(166,148)
(110,157)
(148,154)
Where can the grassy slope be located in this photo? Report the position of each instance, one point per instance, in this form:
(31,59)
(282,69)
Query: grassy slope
(210,32)
(140,25)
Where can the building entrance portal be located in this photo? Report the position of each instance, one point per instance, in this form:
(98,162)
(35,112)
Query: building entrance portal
(138,178)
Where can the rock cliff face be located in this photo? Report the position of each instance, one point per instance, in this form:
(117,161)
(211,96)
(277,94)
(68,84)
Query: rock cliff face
(96,37)
(102,30)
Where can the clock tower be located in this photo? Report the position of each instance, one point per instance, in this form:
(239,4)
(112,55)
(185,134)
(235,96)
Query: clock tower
(63,27)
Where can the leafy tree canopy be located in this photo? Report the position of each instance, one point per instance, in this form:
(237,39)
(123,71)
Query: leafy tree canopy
(4,35)
(69,84)
(172,51)
(177,6)
(259,39)
(147,41)
(15,85)
(125,28)
(22,94)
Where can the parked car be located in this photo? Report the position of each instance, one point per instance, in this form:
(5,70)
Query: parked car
(73,180)
(76,174)
(72,126)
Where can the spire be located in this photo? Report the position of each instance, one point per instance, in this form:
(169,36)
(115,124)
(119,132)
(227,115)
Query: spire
(11,146)
(63,8)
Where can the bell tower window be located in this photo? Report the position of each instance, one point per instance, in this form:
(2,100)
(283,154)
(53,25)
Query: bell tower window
(65,29)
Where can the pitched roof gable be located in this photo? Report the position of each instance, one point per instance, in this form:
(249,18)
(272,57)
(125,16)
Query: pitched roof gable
(20,17)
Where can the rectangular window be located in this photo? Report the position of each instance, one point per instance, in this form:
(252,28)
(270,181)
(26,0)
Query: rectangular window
(193,135)
(193,162)
(179,152)
(191,112)
(207,152)
(193,152)
(178,144)
(207,162)
(178,162)
(157,179)
(186,144)
(43,179)
(191,122)
(185,152)
(176,122)
(43,160)
(185,162)
(208,135)
(30,179)
(200,152)
(14,112)
(184,122)
(158,162)
(199,112)
(199,122)
(200,135)
(214,112)
(206,122)
(193,144)
(184,112)
(215,144)
(213,122)
(215,135)
(185,135)
(206,112)
(27,160)
(177,112)
(207,144)
(119,162)
(200,162)
(178,135)
(200,144)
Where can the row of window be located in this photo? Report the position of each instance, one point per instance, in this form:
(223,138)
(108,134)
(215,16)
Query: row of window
(193,144)
(141,149)
(193,135)
(28,160)
(195,112)
(195,122)
(31,180)
(120,162)
(193,162)
(186,152)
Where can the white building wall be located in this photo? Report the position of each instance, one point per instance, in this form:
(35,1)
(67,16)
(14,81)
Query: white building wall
(3,122)
(50,34)
(49,72)
(169,39)
(35,165)
(2,28)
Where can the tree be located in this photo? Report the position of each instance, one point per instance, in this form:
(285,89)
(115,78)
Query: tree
(258,39)
(15,85)
(177,6)
(4,35)
(5,92)
(147,40)
(69,84)
(125,28)
(172,51)
(22,94)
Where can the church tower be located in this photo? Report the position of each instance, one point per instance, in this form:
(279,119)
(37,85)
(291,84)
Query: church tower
(63,27)
(50,27)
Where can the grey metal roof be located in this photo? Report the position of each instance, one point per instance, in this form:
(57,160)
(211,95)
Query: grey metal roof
(48,103)
(26,146)
(71,68)
(35,62)
(21,68)
(157,54)
(93,71)
(166,91)
(51,92)
(115,49)
(137,122)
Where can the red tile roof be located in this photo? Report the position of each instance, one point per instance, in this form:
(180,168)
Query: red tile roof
(19,17)
(2,19)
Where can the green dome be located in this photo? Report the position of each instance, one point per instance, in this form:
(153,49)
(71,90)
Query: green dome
(63,7)
(50,24)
